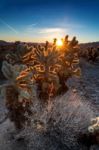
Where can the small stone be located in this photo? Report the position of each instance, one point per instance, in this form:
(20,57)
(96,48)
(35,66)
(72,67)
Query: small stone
(74,90)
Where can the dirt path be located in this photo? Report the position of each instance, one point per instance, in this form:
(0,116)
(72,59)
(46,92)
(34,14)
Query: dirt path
(88,84)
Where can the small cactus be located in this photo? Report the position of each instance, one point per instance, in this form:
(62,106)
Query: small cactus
(94,128)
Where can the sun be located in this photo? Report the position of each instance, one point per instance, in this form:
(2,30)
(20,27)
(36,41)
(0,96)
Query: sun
(59,43)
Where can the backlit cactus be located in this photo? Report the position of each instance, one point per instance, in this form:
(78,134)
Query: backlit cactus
(38,72)
(19,93)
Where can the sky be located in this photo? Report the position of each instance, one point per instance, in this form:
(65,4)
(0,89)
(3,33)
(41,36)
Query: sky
(41,20)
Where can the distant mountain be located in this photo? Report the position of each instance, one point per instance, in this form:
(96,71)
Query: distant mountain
(2,42)
(82,45)
(91,44)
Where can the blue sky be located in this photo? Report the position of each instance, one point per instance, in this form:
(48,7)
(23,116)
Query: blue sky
(41,20)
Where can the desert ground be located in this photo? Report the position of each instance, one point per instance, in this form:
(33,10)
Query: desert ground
(81,103)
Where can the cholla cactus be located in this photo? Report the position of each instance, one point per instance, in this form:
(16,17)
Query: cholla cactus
(94,128)
(69,61)
(16,57)
(46,66)
(90,54)
(41,69)
(53,65)
(70,51)
(11,72)
(19,93)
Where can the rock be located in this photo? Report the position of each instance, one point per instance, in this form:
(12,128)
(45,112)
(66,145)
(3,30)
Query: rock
(74,90)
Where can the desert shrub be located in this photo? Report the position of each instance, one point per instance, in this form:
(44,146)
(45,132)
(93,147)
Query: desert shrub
(59,125)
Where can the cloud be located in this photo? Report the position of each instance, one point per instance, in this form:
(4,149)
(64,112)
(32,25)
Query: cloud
(50,30)
(30,27)
(9,26)
(44,31)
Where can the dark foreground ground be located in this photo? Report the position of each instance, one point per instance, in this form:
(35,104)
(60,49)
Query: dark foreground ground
(72,113)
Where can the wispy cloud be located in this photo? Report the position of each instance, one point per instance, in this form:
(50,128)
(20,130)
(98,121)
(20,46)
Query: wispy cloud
(50,30)
(46,32)
(9,26)
(30,27)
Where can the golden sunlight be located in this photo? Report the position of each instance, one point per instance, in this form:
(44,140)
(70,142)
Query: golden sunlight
(59,43)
